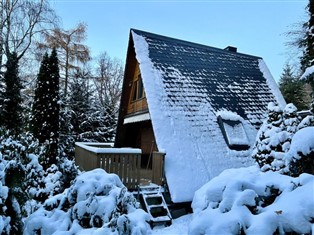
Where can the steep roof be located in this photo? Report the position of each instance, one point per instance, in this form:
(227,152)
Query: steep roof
(187,85)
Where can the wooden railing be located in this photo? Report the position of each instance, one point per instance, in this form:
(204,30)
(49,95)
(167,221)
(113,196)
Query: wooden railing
(125,162)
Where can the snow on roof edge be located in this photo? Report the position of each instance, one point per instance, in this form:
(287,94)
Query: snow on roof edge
(271,83)
(147,70)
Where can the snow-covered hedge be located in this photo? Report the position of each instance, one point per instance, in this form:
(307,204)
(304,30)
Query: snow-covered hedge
(249,201)
(273,150)
(300,157)
(4,220)
(97,202)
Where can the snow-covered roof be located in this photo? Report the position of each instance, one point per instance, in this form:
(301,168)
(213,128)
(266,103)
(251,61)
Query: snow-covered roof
(187,86)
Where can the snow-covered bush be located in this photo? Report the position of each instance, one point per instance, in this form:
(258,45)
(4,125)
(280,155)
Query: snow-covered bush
(4,219)
(274,138)
(254,202)
(96,202)
(27,183)
(307,121)
(272,141)
(15,154)
(301,153)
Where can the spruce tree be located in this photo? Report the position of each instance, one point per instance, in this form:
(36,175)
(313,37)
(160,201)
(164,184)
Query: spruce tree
(91,121)
(12,104)
(39,108)
(307,59)
(292,89)
(308,56)
(270,140)
(54,108)
(79,103)
(45,111)
(2,90)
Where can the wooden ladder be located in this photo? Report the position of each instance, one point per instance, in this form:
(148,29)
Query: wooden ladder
(155,205)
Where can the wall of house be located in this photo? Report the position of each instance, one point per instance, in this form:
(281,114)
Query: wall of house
(137,99)
(138,134)
(141,135)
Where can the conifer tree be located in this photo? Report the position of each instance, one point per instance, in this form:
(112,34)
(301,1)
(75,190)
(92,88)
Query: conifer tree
(40,101)
(270,139)
(307,59)
(292,89)
(2,89)
(91,121)
(45,119)
(79,104)
(12,104)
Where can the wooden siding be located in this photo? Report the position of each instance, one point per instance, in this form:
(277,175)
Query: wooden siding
(140,104)
(137,106)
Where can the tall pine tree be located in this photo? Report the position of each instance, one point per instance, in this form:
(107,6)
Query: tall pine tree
(307,59)
(292,89)
(45,112)
(11,117)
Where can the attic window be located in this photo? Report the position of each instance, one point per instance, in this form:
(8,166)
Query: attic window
(138,90)
(234,133)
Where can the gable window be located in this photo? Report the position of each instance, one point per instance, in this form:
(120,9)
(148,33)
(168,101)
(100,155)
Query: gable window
(234,133)
(138,90)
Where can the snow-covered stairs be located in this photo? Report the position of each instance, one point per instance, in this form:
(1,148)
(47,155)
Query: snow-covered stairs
(155,204)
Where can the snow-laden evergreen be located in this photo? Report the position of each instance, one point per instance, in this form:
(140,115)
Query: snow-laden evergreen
(97,202)
(11,113)
(45,110)
(25,184)
(92,121)
(274,138)
(254,202)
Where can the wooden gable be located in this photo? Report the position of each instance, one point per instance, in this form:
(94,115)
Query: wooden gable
(137,99)
(133,105)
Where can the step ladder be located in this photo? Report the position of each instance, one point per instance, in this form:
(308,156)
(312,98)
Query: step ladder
(154,203)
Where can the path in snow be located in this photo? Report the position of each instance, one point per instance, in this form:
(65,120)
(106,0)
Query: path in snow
(179,226)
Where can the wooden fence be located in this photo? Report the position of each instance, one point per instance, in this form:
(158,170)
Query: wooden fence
(125,162)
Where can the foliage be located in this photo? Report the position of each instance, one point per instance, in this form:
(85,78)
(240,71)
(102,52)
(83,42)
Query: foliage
(292,89)
(11,117)
(45,119)
(274,138)
(2,90)
(70,49)
(278,147)
(92,120)
(95,200)
(21,22)
(24,182)
(108,81)
(254,202)
(15,154)
(307,59)
(66,140)
(308,53)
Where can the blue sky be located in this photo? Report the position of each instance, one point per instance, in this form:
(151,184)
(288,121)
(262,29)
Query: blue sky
(254,27)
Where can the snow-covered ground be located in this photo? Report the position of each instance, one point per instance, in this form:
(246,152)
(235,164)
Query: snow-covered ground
(179,226)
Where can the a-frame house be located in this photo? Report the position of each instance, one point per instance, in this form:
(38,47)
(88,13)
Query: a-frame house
(201,106)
